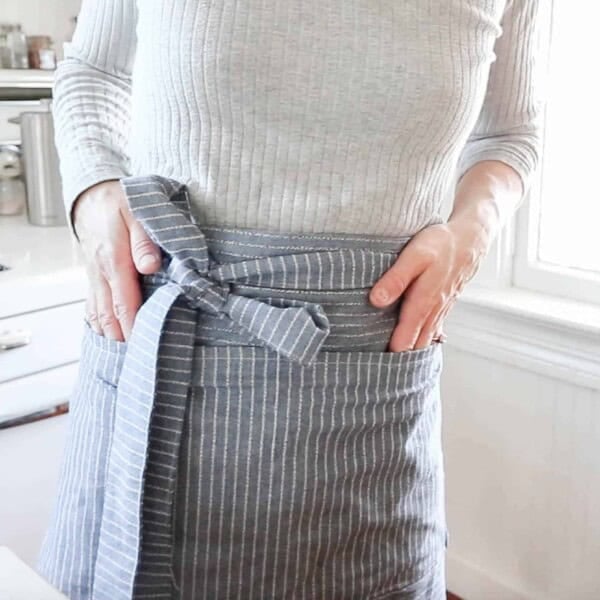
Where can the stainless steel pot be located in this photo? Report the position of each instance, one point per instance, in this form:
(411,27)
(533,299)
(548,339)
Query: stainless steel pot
(45,204)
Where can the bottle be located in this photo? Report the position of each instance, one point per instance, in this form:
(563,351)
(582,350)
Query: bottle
(18,42)
(6,53)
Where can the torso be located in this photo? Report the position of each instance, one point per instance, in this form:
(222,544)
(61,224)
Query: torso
(345,115)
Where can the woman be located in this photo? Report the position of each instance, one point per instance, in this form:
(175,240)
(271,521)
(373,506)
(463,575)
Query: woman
(257,189)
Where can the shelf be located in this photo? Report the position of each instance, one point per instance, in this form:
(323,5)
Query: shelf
(25,84)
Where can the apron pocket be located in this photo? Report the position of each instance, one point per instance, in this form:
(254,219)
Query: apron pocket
(104,356)
(69,549)
(326,476)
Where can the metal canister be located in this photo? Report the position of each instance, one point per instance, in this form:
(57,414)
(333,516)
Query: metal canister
(45,204)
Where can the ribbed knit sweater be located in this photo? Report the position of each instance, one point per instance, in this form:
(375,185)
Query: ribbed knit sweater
(300,116)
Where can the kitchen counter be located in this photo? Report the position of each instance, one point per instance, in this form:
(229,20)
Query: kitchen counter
(42,294)
(18,581)
(45,266)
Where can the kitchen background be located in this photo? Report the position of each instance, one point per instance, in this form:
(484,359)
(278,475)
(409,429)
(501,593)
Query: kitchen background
(521,396)
(43,17)
(42,287)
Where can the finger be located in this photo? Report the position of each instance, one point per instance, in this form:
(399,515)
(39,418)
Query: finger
(428,331)
(119,273)
(419,302)
(107,320)
(433,326)
(407,330)
(439,326)
(91,314)
(126,296)
(145,253)
(411,263)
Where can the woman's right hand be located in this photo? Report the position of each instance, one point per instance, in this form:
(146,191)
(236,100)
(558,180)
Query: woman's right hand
(116,249)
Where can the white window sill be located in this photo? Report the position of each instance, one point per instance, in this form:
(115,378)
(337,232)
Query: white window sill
(552,336)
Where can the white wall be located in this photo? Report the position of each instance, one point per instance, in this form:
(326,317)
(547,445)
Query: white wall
(42,17)
(523,482)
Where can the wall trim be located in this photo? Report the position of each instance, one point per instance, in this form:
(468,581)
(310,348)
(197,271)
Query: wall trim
(553,337)
(471,583)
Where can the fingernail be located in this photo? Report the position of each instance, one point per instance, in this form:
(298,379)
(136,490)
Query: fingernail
(148,260)
(381,295)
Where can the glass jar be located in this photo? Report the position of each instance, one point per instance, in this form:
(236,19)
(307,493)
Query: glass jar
(17,40)
(6,58)
(41,53)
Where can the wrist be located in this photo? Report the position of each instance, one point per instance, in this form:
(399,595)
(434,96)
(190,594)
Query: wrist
(488,195)
(97,191)
(476,232)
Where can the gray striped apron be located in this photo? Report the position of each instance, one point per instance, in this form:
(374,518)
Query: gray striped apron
(253,438)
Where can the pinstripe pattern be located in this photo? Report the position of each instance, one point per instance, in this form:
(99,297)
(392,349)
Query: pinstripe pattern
(253,438)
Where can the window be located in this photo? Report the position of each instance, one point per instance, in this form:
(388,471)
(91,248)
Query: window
(558,241)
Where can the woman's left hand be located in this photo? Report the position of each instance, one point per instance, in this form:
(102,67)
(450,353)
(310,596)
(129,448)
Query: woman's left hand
(429,273)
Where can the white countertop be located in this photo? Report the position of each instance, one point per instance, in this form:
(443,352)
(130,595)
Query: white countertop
(46,266)
(20,582)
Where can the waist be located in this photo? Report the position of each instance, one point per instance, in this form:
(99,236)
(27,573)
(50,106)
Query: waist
(334,270)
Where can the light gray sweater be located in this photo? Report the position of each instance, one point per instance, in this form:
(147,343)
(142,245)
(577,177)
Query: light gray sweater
(301,116)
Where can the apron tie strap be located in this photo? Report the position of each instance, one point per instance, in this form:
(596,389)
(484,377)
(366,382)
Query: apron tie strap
(296,332)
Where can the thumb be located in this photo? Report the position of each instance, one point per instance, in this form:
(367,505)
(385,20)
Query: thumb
(394,282)
(145,253)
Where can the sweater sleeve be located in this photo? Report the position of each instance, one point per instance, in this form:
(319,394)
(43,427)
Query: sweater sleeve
(92,97)
(508,128)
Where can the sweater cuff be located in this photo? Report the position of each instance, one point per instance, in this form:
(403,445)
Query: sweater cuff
(76,185)
(522,158)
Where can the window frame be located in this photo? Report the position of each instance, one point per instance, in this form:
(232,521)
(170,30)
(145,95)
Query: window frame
(529,272)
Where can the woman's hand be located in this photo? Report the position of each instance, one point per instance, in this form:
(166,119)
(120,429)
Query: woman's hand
(116,249)
(438,261)
(429,273)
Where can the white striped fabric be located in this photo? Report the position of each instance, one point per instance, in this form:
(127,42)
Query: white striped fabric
(253,438)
